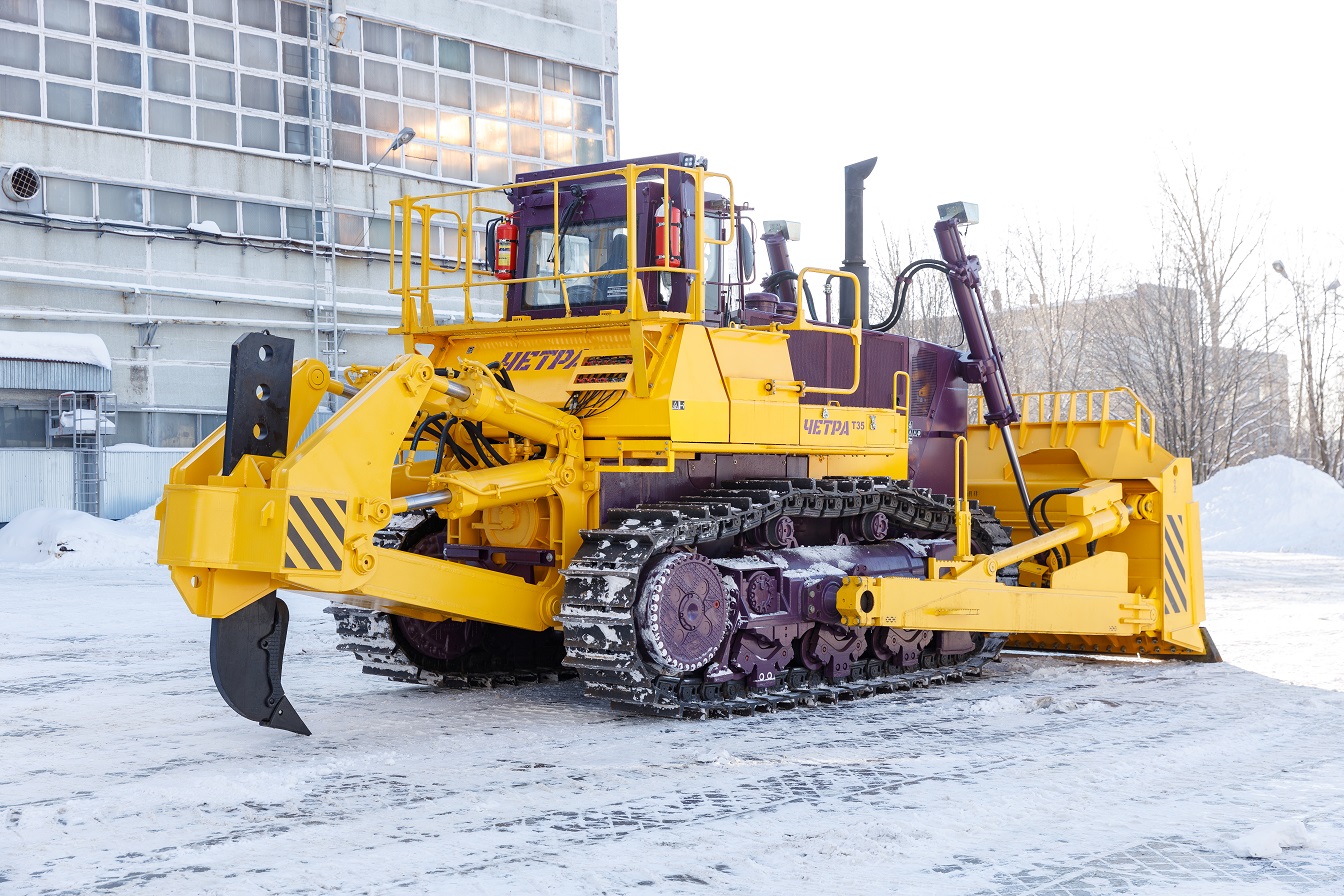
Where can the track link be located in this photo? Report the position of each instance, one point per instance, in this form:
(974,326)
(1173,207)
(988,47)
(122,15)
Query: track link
(603,580)
(367,635)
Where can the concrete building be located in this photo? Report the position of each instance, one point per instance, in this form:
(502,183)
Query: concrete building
(178,172)
(204,168)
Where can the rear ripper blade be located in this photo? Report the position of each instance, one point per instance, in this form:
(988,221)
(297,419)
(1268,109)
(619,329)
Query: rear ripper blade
(246,652)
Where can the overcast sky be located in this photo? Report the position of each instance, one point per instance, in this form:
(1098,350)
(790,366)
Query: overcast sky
(1046,112)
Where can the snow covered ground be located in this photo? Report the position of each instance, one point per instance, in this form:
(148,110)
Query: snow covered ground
(121,769)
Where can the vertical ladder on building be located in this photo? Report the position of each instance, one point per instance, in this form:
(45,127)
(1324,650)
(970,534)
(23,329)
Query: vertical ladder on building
(326,323)
(83,417)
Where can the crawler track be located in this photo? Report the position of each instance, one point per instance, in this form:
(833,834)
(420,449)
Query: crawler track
(505,656)
(603,580)
(602,585)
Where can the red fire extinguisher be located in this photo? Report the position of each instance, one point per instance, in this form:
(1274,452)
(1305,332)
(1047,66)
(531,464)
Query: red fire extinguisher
(667,241)
(506,249)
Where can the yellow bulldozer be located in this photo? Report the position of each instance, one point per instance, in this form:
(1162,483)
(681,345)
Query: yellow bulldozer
(627,460)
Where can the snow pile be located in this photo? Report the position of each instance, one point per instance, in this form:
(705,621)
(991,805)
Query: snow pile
(1273,504)
(81,348)
(48,537)
(1271,839)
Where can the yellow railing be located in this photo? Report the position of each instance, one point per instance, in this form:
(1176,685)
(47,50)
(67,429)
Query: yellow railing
(1063,413)
(413,279)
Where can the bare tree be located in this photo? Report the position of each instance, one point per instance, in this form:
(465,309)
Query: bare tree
(1197,345)
(1318,433)
(1050,277)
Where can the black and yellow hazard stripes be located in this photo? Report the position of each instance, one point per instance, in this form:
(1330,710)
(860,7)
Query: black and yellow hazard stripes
(1176,559)
(315,536)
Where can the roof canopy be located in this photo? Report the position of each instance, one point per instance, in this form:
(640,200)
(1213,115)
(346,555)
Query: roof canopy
(75,348)
(53,362)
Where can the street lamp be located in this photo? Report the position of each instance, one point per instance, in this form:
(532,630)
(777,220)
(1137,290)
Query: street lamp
(1280,270)
(404,136)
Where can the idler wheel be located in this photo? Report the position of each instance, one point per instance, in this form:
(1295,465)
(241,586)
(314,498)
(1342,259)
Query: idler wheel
(682,612)
(432,645)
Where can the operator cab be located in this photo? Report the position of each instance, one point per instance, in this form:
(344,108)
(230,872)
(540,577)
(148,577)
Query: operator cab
(568,239)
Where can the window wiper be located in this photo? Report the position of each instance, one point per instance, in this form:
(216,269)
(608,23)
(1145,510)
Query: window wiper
(571,212)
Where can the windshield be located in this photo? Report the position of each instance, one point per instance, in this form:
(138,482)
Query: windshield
(584,248)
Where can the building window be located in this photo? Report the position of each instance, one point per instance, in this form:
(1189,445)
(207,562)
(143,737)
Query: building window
(294,19)
(20,428)
(260,93)
(118,67)
(261,133)
(257,14)
(117,23)
(69,59)
(18,50)
(215,9)
(214,84)
(214,126)
(214,43)
(66,15)
(167,34)
(169,119)
(68,197)
(380,77)
(454,54)
(380,39)
(117,203)
(296,139)
(223,212)
(258,52)
(21,96)
(118,110)
(345,108)
(261,220)
(169,209)
(417,46)
(166,76)
(299,223)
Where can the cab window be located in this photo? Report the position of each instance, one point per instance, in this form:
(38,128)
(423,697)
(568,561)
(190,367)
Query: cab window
(582,249)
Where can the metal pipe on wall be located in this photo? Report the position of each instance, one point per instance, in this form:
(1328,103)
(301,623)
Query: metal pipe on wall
(175,292)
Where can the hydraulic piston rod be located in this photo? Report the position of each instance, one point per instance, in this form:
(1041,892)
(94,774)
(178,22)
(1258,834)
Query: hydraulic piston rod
(985,364)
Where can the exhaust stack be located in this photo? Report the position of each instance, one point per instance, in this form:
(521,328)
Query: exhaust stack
(854,264)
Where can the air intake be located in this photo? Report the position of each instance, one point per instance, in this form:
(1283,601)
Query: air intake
(20,183)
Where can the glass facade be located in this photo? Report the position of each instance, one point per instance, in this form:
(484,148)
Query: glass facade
(248,74)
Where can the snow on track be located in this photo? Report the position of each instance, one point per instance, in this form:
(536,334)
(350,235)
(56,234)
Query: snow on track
(121,768)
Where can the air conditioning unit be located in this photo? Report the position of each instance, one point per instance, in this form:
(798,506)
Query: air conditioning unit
(20,184)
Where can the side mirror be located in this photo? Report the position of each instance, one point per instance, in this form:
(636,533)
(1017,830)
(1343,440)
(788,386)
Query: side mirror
(746,249)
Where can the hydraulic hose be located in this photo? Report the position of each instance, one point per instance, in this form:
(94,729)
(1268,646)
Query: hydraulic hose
(903,281)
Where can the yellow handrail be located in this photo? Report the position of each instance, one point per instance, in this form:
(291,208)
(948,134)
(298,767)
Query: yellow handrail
(481,204)
(900,401)
(1063,411)
(854,331)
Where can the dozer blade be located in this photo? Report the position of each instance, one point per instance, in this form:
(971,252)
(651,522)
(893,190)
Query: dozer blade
(246,650)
